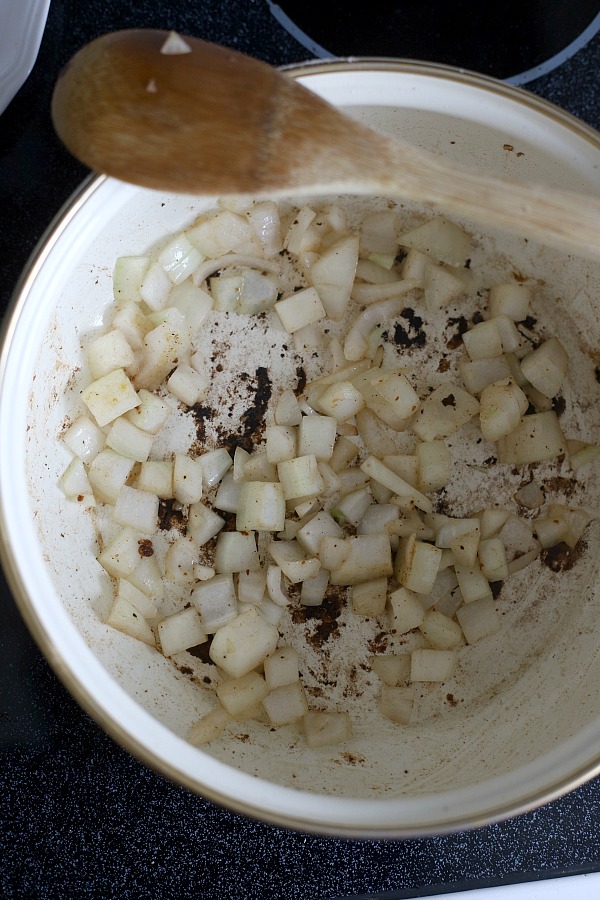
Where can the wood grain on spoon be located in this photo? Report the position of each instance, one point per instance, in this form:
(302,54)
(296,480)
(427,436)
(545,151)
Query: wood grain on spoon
(216,122)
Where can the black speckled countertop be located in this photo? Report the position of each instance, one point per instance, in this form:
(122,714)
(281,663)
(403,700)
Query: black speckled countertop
(79,816)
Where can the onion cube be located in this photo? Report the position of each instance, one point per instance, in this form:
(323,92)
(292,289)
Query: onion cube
(265,220)
(300,309)
(109,397)
(126,618)
(483,340)
(439,238)
(378,233)
(377,518)
(179,258)
(396,703)
(148,577)
(156,477)
(332,274)
(416,564)
(151,413)
(180,631)
(581,453)
(128,274)
(390,396)
(546,367)
(128,440)
(510,300)
(75,483)
(121,556)
(281,667)
(479,619)
(434,462)
(492,559)
(155,287)
(136,509)
(317,435)
(261,506)
(252,586)
(292,560)
(405,611)
(492,521)
(516,535)
(550,531)
(286,703)
(314,589)
(341,401)
(187,478)
(132,323)
(258,468)
(222,232)
(287,409)
(367,556)
(240,695)
(464,547)
(538,437)
(240,458)
(225,291)
(414,265)
(163,347)
(84,438)
(258,292)
(333,551)
(530,495)
(244,642)
(144,604)
(193,303)
(442,286)
(561,524)
(236,552)
(203,523)
(108,352)
(369,597)
(353,506)
(374,434)
(440,631)
(216,602)
(209,727)
(280,442)
(577,521)
(228,494)
(501,406)
(472,583)
(214,465)
(322,729)
(188,385)
(300,477)
(446,409)
(180,561)
(476,374)
(295,232)
(432,665)
(391,668)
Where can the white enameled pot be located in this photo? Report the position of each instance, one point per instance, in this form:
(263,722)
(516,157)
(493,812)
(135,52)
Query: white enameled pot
(529,727)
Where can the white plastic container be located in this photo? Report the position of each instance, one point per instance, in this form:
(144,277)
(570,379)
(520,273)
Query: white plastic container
(527,728)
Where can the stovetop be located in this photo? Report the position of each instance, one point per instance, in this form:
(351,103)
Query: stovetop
(78,815)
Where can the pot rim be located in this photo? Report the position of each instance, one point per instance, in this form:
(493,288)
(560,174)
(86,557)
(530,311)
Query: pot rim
(348,824)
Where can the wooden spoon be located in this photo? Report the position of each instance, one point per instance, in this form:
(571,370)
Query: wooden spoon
(180,114)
